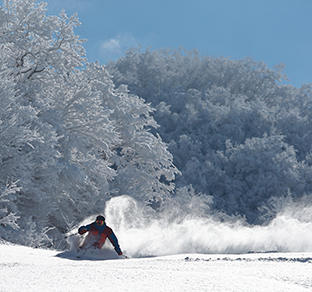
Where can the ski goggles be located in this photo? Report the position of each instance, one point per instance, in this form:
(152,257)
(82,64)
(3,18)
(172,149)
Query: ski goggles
(99,222)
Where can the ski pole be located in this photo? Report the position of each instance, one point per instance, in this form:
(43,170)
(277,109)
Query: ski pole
(65,237)
(56,240)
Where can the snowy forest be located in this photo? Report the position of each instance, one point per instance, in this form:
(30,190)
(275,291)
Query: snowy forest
(177,132)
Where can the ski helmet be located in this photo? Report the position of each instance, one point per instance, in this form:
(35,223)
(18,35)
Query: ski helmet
(100,217)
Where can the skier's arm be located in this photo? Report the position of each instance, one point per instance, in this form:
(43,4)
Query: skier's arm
(84,229)
(113,239)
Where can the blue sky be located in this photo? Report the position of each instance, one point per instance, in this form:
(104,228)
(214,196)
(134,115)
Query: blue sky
(271,31)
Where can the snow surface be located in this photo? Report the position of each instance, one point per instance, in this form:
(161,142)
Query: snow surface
(27,269)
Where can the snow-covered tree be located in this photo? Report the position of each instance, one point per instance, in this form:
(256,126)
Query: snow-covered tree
(142,162)
(65,126)
(204,104)
(62,127)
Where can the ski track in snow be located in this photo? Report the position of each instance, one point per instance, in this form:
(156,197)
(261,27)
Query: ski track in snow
(27,269)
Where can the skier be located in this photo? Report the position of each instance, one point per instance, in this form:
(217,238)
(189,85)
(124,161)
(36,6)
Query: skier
(98,232)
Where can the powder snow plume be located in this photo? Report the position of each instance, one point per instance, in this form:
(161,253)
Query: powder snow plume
(143,234)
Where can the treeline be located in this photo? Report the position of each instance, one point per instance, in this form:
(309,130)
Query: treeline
(235,132)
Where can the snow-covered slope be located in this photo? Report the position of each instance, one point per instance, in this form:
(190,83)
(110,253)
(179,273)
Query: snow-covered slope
(26,269)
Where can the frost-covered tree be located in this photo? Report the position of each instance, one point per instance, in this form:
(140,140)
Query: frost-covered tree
(71,139)
(205,104)
(141,160)
(62,126)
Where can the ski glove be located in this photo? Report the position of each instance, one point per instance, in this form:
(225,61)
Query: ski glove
(82,230)
(120,253)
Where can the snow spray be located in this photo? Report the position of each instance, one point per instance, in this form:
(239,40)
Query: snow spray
(142,232)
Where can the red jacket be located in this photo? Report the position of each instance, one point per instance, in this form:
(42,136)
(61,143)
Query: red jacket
(97,236)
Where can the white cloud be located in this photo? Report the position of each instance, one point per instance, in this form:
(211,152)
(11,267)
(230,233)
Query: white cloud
(117,46)
(112,45)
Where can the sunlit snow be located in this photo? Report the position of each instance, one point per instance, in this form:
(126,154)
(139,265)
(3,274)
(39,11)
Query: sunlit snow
(192,254)
(29,270)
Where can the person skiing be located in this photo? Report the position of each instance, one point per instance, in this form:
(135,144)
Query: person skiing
(98,232)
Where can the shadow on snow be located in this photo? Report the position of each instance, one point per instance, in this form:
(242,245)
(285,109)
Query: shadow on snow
(90,254)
